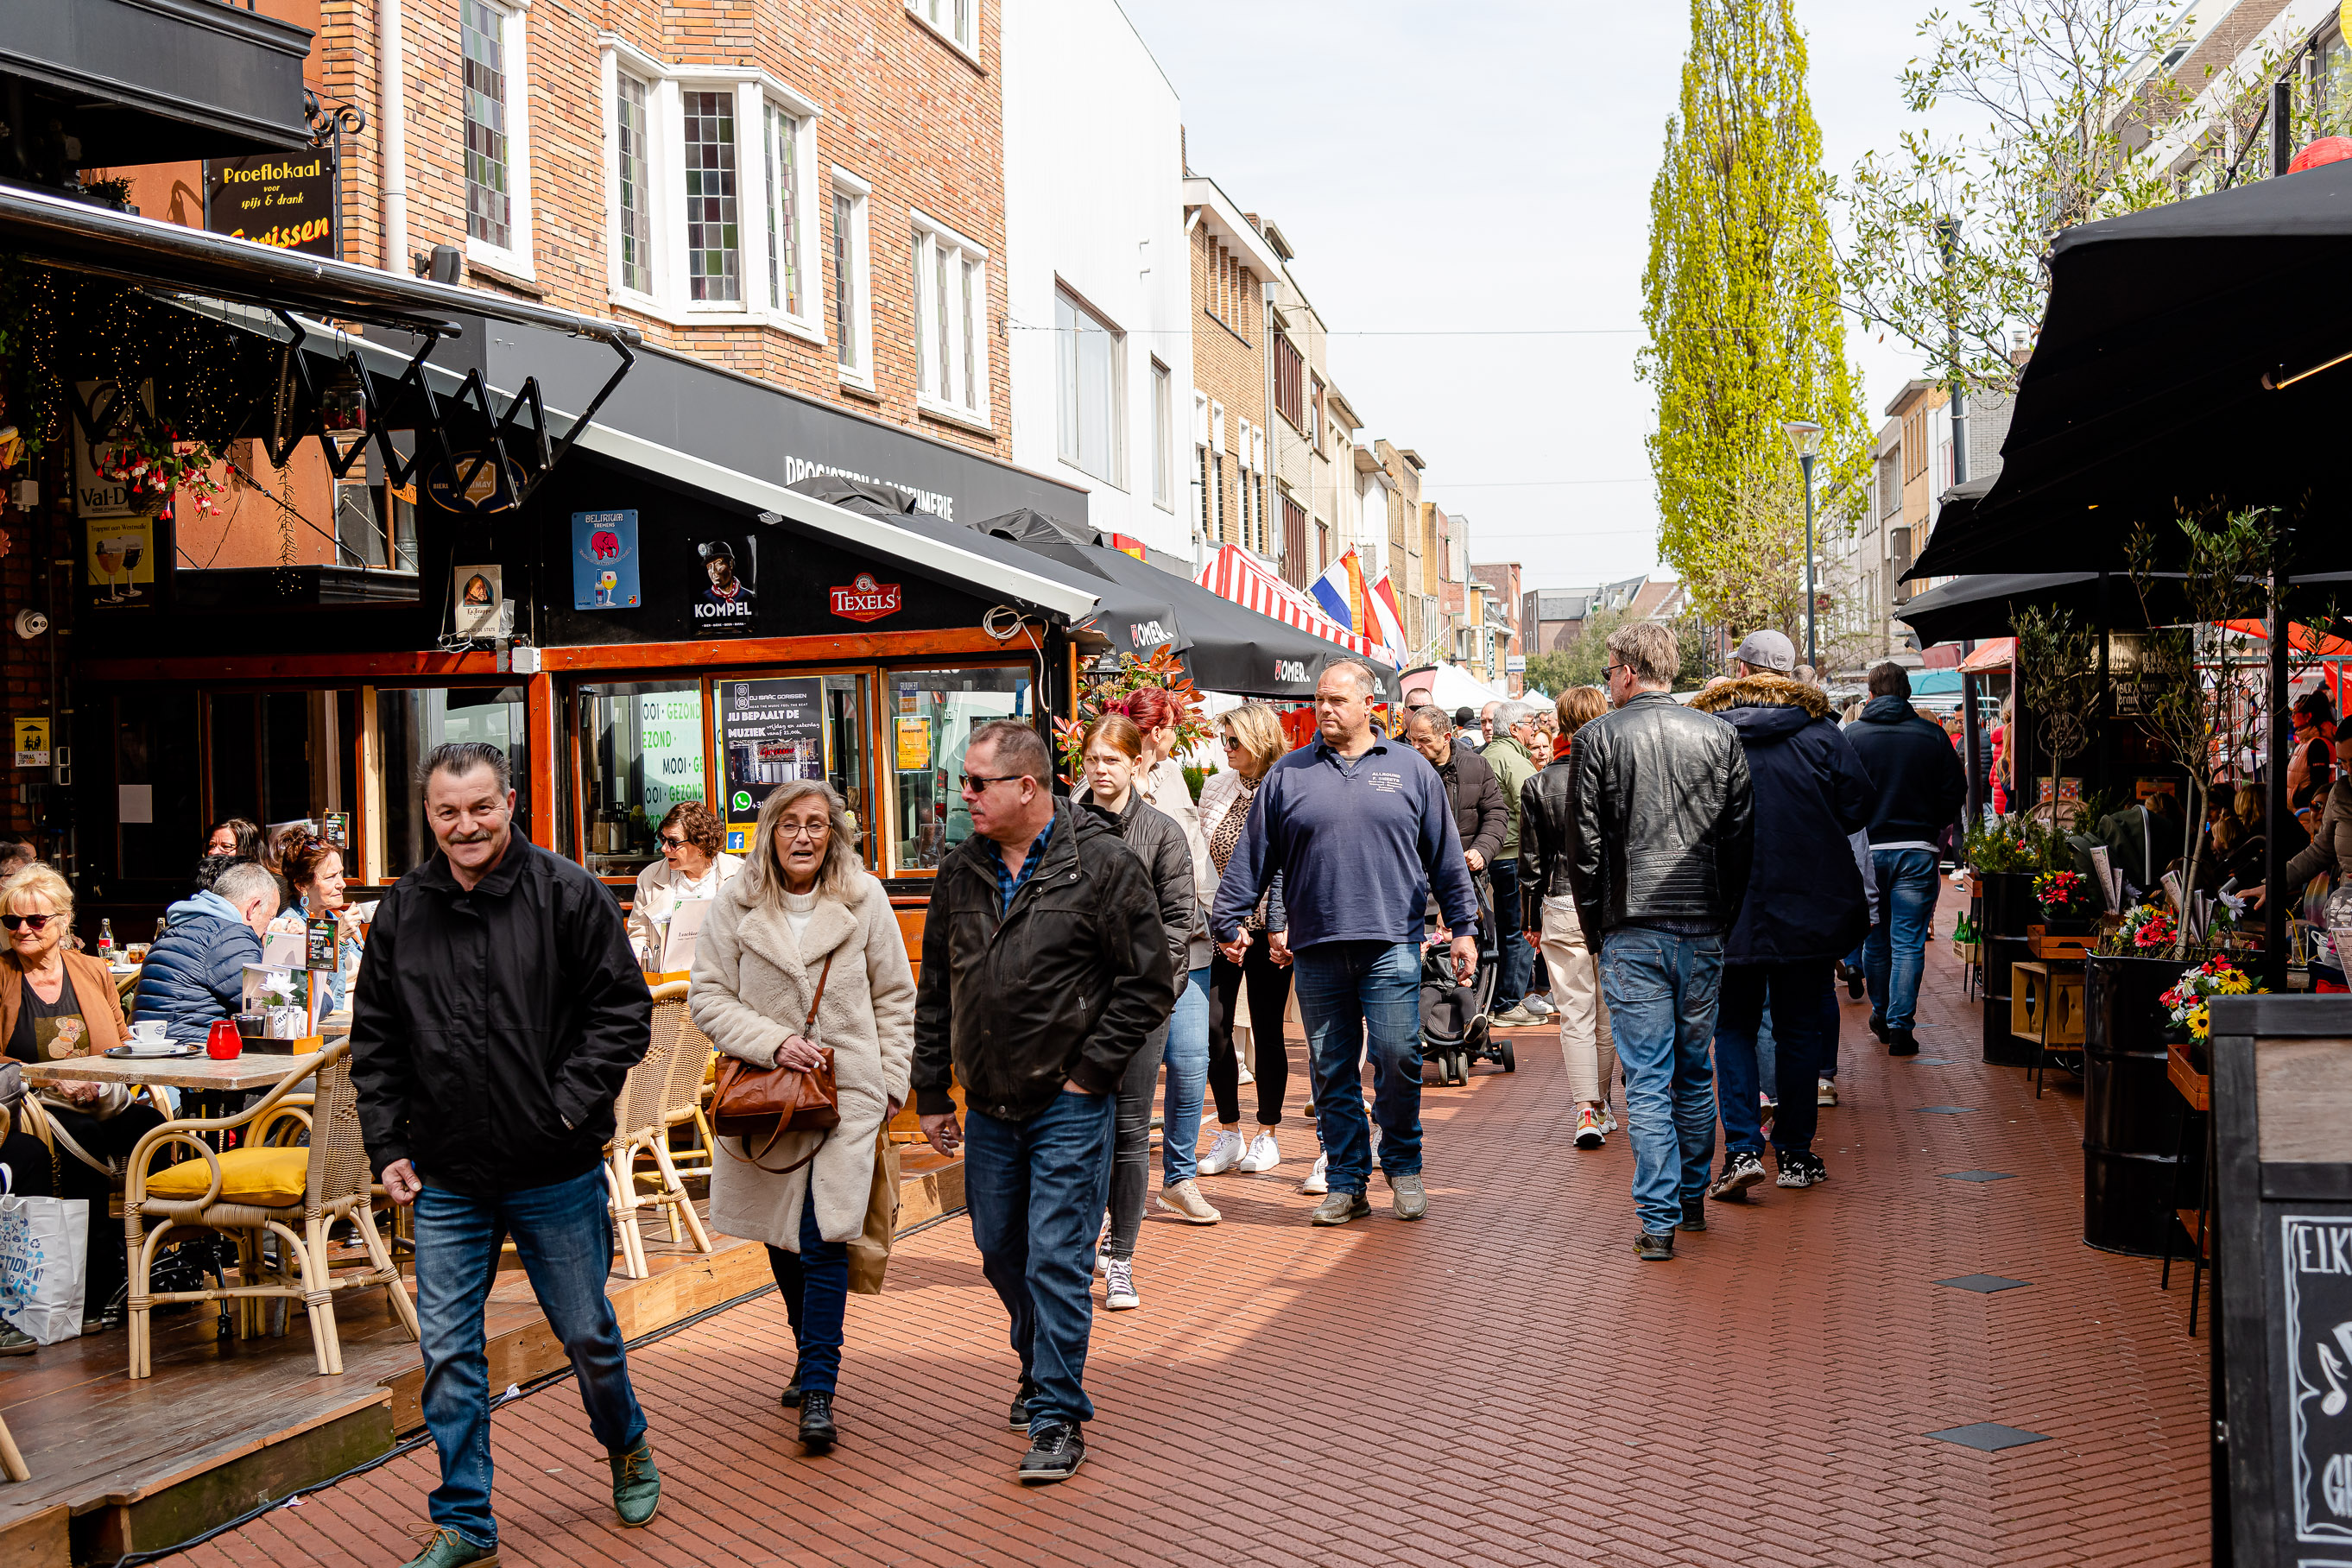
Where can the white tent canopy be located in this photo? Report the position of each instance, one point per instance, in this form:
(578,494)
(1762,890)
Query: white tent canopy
(1450,687)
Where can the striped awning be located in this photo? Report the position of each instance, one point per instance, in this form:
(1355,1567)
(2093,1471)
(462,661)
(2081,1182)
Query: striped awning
(1250,581)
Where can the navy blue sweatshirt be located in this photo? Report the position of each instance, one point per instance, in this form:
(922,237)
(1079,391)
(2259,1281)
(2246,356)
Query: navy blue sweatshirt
(1358,844)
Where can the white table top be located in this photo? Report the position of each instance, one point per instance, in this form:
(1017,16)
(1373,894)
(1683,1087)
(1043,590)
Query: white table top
(200,1072)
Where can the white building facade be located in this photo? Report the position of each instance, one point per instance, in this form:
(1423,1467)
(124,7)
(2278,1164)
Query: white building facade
(1099,296)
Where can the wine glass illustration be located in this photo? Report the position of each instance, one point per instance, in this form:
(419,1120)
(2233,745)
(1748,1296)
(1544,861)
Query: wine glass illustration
(110,562)
(132,548)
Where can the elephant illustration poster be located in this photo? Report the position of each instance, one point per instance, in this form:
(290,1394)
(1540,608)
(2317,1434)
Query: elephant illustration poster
(604,561)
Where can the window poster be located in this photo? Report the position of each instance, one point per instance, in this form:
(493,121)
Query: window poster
(604,561)
(727,601)
(770,732)
(669,748)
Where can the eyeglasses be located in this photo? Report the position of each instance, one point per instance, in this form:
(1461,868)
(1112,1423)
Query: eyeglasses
(1608,670)
(797,831)
(36,921)
(670,841)
(974,784)
(1232,742)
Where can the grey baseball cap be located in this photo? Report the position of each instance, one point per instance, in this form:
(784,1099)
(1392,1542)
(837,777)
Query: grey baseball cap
(1767,649)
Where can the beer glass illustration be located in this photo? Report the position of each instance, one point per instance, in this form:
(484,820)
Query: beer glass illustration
(109,552)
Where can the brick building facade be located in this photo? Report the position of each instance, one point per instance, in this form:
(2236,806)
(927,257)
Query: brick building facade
(1233,494)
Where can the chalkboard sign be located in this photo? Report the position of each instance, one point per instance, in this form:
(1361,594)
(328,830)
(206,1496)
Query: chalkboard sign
(2283,1281)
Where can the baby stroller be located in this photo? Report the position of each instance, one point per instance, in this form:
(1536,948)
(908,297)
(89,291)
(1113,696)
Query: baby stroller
(1453,1017)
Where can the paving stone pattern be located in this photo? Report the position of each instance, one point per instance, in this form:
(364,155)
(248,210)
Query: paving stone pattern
(1501,1385)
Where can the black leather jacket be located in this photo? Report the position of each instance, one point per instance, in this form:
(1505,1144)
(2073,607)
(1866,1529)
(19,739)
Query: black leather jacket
(1545,801)
(1662,825)
(1062,989)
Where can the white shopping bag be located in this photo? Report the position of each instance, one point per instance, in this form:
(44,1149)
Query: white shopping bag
(44,1262)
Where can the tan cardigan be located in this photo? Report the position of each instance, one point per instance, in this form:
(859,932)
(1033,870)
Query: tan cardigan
(101,1006)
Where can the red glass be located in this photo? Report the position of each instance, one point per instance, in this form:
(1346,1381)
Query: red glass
(221,1042)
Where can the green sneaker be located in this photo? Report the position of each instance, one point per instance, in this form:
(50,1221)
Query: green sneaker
(448,1549)
(15,1342)
(637,1485)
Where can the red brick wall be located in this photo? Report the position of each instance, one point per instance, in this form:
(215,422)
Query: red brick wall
(1229,364)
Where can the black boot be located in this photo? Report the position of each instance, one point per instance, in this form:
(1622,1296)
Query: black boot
(817,1430)
(1902,1043)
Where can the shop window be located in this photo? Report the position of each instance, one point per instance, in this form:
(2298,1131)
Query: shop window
(281,757)
(157,813)
(772,730)
(927,719)
(640,753)
(410,724)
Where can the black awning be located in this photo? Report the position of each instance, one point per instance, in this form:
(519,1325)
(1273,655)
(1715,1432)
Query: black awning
(147,81)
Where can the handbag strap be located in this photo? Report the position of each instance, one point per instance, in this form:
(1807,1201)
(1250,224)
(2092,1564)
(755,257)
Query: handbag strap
(824,976)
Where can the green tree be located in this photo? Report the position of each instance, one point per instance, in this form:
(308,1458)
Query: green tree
(1740,300)
(1581,662)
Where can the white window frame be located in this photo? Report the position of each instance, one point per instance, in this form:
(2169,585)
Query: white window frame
(1064,394)
(666,86)
(860,255)
(959,14)
(1164,437)
(513,257)
(931,240)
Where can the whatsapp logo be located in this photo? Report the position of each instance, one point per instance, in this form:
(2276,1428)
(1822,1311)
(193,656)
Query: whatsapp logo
(742,800)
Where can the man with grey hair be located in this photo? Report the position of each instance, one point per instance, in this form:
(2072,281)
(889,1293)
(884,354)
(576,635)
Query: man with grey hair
(1660,833)
(1512,755)
(497,1014)
(196,971)
(1360,830)
(1046,967)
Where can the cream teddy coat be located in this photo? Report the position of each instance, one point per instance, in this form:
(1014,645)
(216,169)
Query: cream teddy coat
(749,989)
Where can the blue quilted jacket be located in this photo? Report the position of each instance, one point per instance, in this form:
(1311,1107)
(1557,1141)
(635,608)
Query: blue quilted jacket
(196,971)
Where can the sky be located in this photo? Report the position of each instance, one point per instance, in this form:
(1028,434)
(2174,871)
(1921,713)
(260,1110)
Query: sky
(1483,167)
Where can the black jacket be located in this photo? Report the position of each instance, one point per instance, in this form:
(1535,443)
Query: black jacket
(1805,898)
(1661,826)
(1917,783)
(1480,814)
(491,1029)
(1062,989)
(1155,839)
(1545,801)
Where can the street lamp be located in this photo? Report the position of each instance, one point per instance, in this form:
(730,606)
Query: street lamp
(1805,436)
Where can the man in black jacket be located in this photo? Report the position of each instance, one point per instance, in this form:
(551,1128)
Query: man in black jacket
(1044,966)
(1660,835)
(1480,812)
(1917,787)
(1805,906)
(496,1014)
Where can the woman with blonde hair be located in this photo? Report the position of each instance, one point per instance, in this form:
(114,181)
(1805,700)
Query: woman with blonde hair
(1254,742)
(1584,1039)
(55,1003)
(800,955)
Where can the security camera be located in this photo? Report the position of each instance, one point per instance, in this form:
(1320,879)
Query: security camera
(31,623)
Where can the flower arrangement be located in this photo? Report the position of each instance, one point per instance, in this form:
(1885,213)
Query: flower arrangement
(150,467)
(2189,998)
(1164,671)
(2063,894)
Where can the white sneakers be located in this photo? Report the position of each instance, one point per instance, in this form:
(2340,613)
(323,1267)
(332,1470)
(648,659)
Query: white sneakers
(1825,1091)
(1263,1154)
(1183,1200)
(1315,1186)
(1223,1154)
(1589,1135)
(1118,1286)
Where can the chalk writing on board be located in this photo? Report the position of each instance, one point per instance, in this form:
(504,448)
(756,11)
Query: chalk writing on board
(2318,1251)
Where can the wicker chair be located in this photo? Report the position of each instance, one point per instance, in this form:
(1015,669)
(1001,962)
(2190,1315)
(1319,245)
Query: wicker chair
(641,1122)
(257,1191)
(692,1058)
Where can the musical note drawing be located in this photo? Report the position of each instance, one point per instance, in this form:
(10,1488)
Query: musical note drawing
(2331,1369)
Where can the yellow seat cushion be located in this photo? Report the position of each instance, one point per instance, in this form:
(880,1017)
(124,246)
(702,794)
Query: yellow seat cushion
(265,1178)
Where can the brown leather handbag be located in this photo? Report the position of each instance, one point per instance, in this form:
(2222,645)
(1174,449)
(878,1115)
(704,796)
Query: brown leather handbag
(759,1105)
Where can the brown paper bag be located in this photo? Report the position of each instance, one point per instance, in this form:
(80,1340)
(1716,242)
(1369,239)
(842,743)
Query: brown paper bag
(870,1254)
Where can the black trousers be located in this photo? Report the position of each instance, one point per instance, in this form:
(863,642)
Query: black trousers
(1269,1000)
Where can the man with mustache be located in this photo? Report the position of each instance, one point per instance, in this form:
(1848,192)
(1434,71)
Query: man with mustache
(498,1012)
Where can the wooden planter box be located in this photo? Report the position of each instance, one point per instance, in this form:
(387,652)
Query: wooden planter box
(2045,1005)
(2058,946)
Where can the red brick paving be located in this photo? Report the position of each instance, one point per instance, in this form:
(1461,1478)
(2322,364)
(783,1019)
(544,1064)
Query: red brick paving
(1502,1385)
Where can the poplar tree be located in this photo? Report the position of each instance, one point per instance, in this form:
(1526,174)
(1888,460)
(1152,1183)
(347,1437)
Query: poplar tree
(1741,304)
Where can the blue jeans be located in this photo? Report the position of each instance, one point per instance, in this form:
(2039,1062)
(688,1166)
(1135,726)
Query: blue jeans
(1516,964)
(1187,1056)
(1037,1191)
(1896,949)
(1348,990)
(814,1284)
(1795,992)
(1661,990)
(565,1238)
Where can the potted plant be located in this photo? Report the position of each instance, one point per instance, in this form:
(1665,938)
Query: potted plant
(2191,1022)
(1162,670)
(152,467)
(2065,899)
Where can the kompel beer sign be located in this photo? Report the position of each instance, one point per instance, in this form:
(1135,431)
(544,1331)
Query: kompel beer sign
(865,599)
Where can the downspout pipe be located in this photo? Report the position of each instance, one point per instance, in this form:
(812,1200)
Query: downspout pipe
(391,132)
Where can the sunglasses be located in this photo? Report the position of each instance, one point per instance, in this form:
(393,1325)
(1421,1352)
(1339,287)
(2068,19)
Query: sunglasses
(1232,742)
(36,921)
(670,841)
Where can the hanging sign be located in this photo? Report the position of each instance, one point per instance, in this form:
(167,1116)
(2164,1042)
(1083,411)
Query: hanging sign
(604,561)
(471,483)
(93,496)
(32,742)
(274,199)
(865,599)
